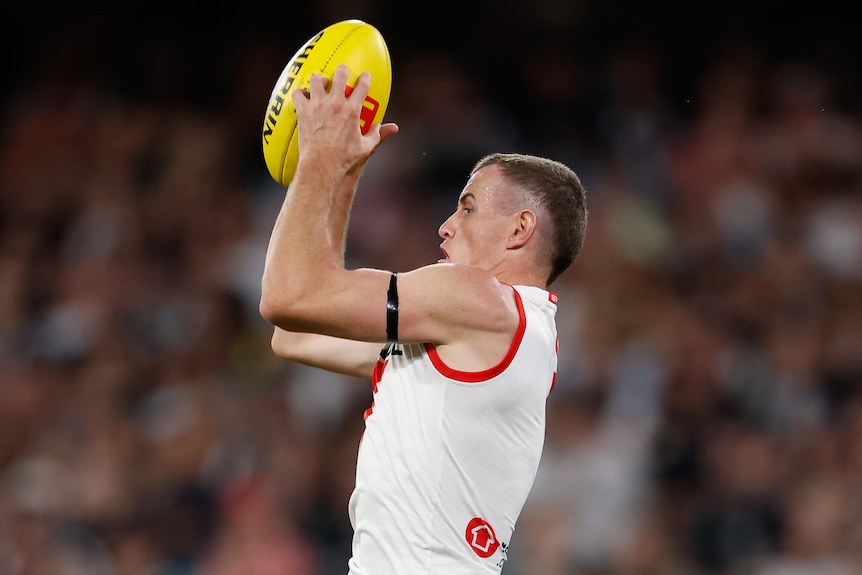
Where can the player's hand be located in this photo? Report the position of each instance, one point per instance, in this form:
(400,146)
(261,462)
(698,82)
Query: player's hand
(328,122)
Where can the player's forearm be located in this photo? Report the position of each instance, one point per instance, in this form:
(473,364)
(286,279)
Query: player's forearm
(348,357)
(339,217)
(307,240)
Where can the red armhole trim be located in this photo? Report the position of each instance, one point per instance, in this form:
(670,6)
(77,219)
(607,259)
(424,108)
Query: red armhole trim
(377,374)
(485,374)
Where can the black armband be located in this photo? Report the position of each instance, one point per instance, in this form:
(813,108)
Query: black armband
(392,310)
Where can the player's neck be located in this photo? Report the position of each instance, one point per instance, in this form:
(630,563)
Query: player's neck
(521,276)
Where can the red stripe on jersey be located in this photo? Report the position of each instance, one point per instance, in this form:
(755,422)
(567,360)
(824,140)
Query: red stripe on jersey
(485,374)
(377,374)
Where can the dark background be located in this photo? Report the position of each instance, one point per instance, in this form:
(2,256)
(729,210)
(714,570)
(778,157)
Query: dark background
(708,412)
(190,53)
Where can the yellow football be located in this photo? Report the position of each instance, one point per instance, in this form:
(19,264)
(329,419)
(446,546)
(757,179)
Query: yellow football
(358,45)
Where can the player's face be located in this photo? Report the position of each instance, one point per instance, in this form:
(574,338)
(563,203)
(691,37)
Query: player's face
(476,233)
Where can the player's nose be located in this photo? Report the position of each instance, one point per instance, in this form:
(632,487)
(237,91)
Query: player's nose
(446,229)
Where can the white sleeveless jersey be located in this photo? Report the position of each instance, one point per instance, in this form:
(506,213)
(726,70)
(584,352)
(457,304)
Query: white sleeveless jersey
(448,457)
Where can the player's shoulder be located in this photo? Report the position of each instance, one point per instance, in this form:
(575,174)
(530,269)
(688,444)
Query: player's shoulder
(461,280)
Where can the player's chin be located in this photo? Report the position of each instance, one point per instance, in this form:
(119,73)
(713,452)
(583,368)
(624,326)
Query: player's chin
(445,259)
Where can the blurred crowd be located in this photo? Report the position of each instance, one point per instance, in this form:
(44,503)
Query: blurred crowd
(708,413)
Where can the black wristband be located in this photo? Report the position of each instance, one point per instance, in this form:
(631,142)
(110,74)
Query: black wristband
(392,310)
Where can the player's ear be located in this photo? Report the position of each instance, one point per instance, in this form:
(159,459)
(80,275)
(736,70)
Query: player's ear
(523,228)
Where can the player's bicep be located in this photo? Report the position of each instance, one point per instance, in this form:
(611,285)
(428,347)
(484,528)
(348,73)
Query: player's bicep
(348,357)
(437,304)
(344,304)
(443,303)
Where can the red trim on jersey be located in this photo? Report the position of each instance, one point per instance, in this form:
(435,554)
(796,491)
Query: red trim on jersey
(377,374)
(485,374)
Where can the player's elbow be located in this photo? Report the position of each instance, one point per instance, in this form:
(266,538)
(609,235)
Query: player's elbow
(268,309)
(278,305)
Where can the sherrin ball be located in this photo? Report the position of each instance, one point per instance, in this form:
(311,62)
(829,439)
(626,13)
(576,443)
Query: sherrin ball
(354,43)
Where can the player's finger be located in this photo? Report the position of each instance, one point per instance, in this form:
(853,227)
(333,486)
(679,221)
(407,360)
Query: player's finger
(363,84)
(339,79)
(381,132)
(317,83)
(387,130)
(300,98)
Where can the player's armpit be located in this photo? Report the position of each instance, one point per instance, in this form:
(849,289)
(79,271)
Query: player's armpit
(348,357)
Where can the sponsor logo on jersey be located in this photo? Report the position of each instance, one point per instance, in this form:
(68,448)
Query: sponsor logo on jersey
(481,537)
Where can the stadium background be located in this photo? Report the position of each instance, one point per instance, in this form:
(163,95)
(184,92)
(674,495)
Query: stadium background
(707,418)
